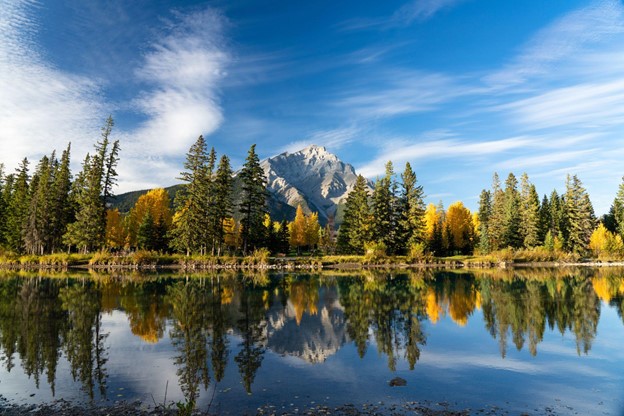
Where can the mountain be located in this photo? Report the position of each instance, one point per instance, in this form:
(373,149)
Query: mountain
(312,177)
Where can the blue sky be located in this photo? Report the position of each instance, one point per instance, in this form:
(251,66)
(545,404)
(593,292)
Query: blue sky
(459,88)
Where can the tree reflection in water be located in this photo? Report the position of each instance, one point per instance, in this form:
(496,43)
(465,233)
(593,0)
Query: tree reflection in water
(306,316)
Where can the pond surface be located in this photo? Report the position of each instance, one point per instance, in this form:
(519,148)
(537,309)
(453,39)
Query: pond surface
(528,341)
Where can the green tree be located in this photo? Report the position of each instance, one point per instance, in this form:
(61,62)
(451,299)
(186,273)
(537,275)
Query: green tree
(484,215)
(512,216)
(385,213)
(412,208)
(618,209)
(356,225)
(36,231)
(496,222)
(222,200)
(18,202)
(580,215)
(253,201)
(61,209)
(529,212)
(192,215)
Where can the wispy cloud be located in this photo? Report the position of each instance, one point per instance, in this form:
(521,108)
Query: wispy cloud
(438,145)
(396,92)
(562,39)
(182,73)
(409,13)
(41,107)
(332,139)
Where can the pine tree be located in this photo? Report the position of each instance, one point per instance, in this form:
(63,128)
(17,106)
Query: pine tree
(222,199)
(496,223)
(412,208)
(3,205)
(146,233)
(60,204)
(253,201)
(484,215)
(18,203)
(529,213)
(618,209)
(356,229)
(36,232)
(511,219)
(190,224)
(385,219)
(580,215)
(544,219)
(283,238)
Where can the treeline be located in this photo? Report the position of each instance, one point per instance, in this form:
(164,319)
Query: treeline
(50,211)
(216,213)
(393,219)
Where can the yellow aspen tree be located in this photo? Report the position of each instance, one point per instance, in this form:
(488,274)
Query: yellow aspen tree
(312,229)
(115,233)
(157,203)
(432,217)
(297,229)
(459,223)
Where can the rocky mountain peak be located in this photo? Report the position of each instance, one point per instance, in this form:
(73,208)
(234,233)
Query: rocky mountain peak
(311,177)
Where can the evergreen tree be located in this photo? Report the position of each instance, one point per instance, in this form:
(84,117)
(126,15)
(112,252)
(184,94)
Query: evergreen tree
(385,219)
(91,189)
(253,201)
(580,215)
(36,231)
(146,233)
(356,226)
(60,204)
(222,199)
(618,209)
(484,215)
(511,223)
(18,203)
(496,223)
(190,223)
(412,209)
(529,212)
(283,238)
(544,218)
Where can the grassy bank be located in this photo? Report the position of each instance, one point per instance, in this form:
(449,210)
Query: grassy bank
(261,259)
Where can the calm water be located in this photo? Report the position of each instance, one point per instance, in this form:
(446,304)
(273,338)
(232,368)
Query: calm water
(526,340)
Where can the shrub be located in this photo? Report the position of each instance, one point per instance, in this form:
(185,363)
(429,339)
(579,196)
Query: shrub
(374,251)
(418,253)
(259,256)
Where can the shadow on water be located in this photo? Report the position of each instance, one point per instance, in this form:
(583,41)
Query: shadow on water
(220,319)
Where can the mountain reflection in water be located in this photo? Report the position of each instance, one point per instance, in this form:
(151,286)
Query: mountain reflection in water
(213,321)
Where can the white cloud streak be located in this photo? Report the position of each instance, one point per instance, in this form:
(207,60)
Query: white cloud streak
(41,107)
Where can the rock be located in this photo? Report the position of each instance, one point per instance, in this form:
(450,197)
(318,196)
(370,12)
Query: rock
(398,382)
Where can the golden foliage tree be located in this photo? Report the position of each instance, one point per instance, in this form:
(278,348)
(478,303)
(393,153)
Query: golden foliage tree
(459,227)
(115,232)
(155,202)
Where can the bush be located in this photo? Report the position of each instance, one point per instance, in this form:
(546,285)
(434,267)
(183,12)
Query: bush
(259,257)
(374,252)
(418,253)
(101,258)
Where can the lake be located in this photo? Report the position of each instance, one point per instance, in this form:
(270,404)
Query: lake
(525,340)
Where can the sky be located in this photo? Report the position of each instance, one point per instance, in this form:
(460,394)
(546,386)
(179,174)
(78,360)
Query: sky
(460,89)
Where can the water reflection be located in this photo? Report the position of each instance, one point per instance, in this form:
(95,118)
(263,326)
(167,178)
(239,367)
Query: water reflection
(211,318)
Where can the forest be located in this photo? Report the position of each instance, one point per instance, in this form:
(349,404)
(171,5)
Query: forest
(53,211)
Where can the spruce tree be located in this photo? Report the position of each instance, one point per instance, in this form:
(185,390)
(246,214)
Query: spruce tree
(544,219)
(146,234)
(412,209)
(529,213)
(511,219)
(253,201)
(384,210)
(496,223)
(618,209)
(18,203)
(2,205)
(36,231)
(191,222)
(356,229)
(580,215)
(484,215)
(222,199)
(60,204)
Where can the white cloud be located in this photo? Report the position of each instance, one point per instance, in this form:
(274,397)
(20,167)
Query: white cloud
(41,107)
(564,38)
(331,139)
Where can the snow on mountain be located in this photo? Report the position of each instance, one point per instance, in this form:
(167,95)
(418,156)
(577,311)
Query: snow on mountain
(312,177)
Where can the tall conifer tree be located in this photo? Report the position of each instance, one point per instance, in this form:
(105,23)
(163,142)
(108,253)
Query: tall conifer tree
(412,208)
(253,201)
